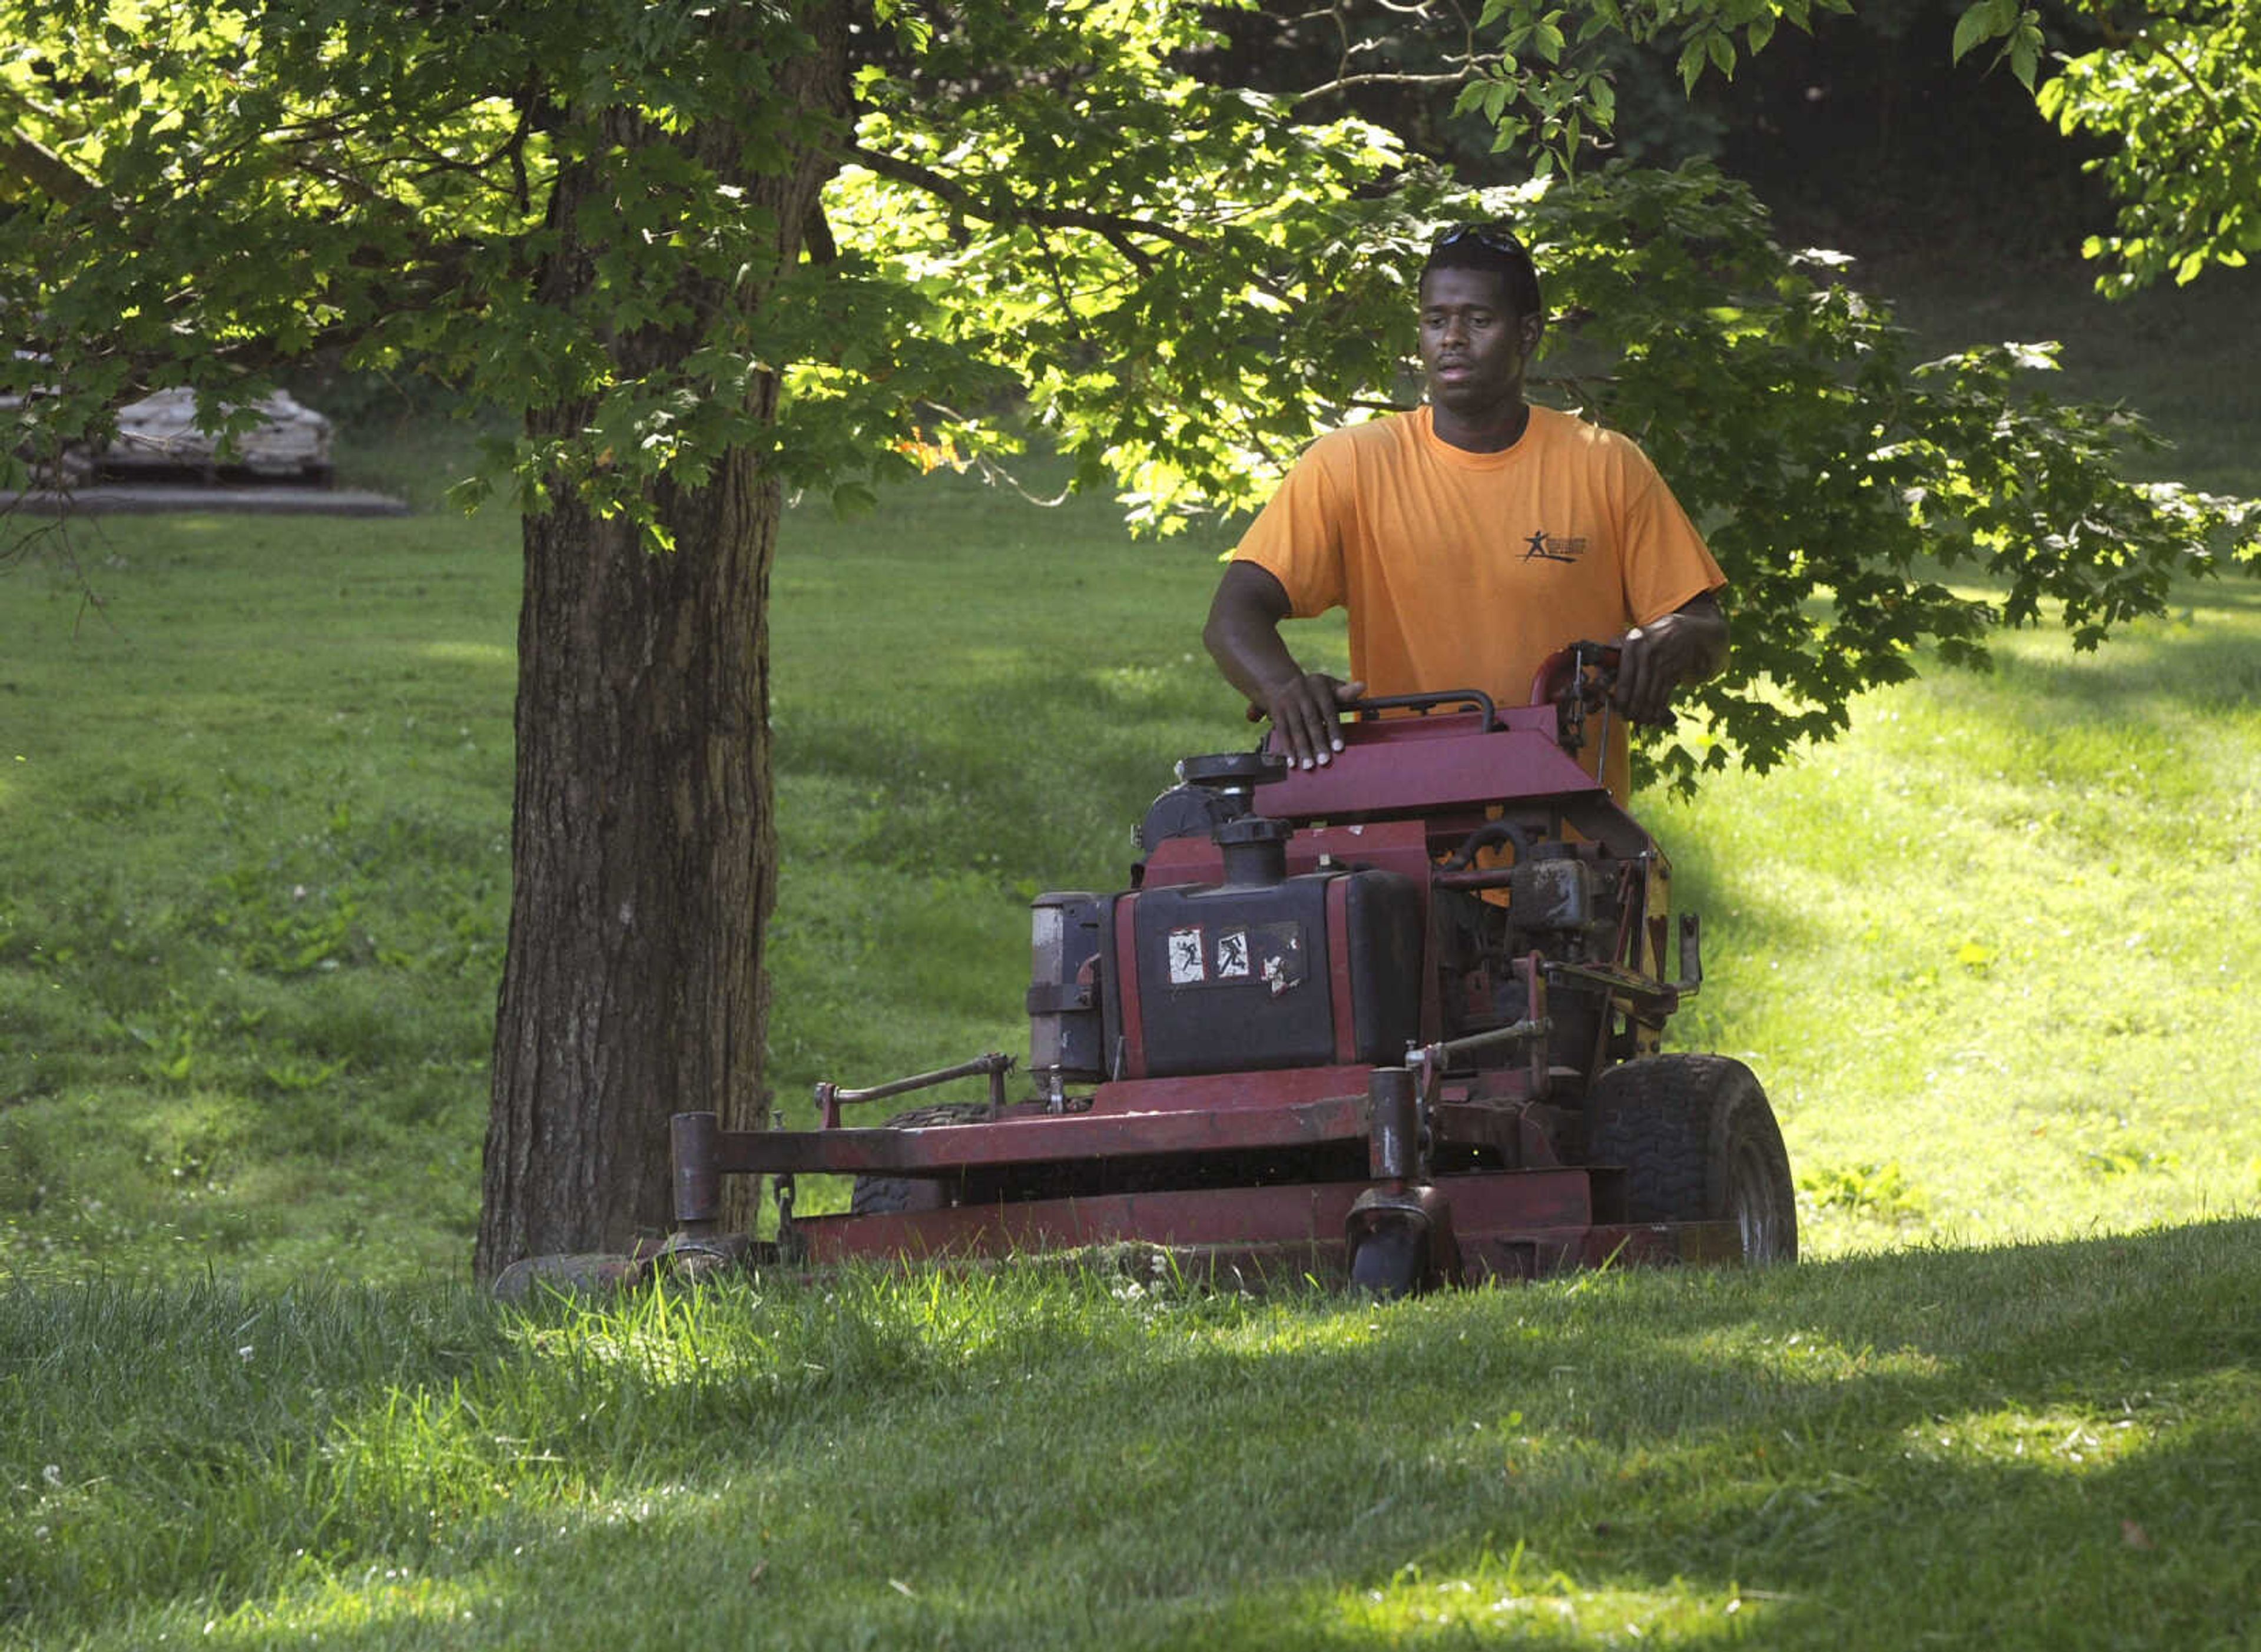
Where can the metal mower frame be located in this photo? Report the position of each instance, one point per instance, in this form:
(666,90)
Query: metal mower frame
(1532,1126)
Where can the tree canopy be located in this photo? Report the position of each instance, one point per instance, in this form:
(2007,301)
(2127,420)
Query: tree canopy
(1177,280)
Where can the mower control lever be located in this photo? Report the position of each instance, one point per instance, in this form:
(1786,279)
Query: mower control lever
(1425,1058)
(1576,679)
(1474,698)
(995,1064)
(1565,668)
(1691,955)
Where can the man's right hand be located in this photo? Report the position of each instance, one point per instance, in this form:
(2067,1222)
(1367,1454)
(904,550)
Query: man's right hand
(1242,636)
(1305,710)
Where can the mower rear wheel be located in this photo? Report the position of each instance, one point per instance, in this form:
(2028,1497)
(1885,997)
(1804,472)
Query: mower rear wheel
(1699,1143)
(900,1196)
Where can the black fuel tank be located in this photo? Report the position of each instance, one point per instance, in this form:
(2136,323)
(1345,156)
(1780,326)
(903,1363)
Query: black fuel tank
(1309,971)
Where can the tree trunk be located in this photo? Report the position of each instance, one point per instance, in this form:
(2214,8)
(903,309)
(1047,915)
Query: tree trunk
(644,848)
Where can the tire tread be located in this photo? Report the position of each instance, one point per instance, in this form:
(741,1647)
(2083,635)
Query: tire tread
(892,1196)
(1672,1122)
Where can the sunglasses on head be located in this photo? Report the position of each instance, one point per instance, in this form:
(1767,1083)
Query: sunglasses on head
(1498,237)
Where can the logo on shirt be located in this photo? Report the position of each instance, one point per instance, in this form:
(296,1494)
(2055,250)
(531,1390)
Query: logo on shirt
(1553,547)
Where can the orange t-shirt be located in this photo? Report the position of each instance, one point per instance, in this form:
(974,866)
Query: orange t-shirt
(1466,570)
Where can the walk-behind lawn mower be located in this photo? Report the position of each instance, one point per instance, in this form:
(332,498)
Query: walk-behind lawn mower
(1394,1018)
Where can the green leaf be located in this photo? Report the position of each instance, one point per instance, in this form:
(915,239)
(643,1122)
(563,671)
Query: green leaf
(2025,56)
(468,494)
(1974,25)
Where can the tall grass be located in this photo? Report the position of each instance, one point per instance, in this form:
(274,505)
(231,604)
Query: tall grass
(2045,1447)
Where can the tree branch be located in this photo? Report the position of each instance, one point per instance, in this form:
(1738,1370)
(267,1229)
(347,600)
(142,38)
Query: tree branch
(527,95)
(816,238)
(1051,262)
(1390,77)
(45,170)
(1471,62)
(1114,227)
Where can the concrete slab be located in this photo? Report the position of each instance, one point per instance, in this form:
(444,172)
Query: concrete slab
(165,498)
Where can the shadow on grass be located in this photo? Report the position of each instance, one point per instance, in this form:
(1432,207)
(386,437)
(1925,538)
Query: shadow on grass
(1876,1451)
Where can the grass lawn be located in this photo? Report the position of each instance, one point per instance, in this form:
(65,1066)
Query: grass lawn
(2044,1446)
(1991,954)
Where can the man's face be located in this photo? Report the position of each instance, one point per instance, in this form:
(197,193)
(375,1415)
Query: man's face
(1472,343)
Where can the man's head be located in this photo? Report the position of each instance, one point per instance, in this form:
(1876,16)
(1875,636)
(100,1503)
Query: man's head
(1494,247)
(1480,318)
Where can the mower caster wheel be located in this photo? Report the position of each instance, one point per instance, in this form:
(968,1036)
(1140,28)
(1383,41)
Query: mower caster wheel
(694,1262)
(1400,1242)
(900,1196)
(1387,1264)
(1699,1143)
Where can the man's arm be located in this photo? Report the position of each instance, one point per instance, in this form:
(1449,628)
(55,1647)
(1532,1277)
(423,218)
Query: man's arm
(1687,645)
(1242,636)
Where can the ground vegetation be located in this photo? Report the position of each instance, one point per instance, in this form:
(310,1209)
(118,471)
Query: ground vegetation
(2045,1447)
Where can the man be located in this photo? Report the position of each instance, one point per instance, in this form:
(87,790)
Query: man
(1471,537)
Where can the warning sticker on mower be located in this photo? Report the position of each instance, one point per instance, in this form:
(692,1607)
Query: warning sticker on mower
(1243,954)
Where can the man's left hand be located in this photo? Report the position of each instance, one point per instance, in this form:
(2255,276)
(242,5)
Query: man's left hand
(1686,645)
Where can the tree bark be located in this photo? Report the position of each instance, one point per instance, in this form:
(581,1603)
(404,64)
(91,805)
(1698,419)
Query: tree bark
(644,850)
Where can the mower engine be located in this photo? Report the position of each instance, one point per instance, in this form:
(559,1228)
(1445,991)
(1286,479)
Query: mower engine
(1257,970)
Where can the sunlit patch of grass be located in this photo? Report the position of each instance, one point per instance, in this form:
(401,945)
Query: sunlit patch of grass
(1495,1602)
(1977,948)
(489,654)
(2062,1440)
(392,1605)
